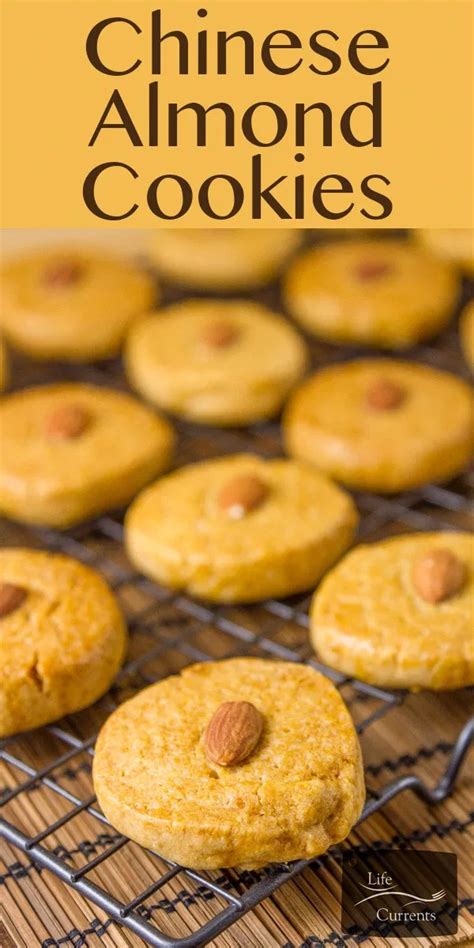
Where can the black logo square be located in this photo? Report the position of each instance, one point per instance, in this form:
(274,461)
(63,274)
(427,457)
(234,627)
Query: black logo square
(399,894)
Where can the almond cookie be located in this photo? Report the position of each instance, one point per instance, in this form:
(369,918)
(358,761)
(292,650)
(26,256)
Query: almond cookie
(235,763)
(220,363)
(386,293)
(466,329)
(240,529)
(382,425)
(399,613)
(454,245)
(62,638)
(74,304)
(223,259)
(72,451)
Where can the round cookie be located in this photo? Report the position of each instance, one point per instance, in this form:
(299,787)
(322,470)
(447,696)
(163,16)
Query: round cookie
(3,365)
(398,613)
(384,293)
(240,529)
(220,363)
(466,330)
(71,451)
(62,638)
(456,245)
(298,792)
(71,304)
(224,260)
(382,425)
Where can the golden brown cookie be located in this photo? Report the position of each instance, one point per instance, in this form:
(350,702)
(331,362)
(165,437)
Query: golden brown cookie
(62,638)
(455,245)
(399,613)
(387,293)
(240,529)
(382,425)
(466,329)
(72,304)
(299,790)
(221,363)
(72,451)
(224,259)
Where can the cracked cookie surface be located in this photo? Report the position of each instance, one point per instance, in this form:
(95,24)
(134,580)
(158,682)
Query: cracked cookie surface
(300,791)
(369,620)
(62,640)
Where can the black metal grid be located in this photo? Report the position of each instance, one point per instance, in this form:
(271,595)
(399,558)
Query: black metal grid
(174,630)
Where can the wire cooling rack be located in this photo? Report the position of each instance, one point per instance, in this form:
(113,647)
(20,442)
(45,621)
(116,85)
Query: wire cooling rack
(168,631)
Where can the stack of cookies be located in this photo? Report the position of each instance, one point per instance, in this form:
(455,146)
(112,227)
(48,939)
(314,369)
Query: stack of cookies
(187,766)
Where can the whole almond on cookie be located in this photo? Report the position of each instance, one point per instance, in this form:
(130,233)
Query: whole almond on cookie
(67,422)
(385,395)
(233,733)
(62,274)
(368,270)
(242,495)
(11,597)
(438,575)
(220,335)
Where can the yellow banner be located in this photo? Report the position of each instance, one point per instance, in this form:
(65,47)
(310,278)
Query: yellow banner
(328,114)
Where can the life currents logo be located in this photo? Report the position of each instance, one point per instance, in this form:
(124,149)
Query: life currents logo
(399,894)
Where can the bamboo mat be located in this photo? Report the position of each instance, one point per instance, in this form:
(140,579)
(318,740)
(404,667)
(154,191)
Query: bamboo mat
(417,736)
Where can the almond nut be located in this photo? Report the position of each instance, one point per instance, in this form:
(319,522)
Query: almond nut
(438,575)
(385,395)
(11,597)
(62,273)
(368,270)
(233,733)
(67,422)
(220,335)
(241,495)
